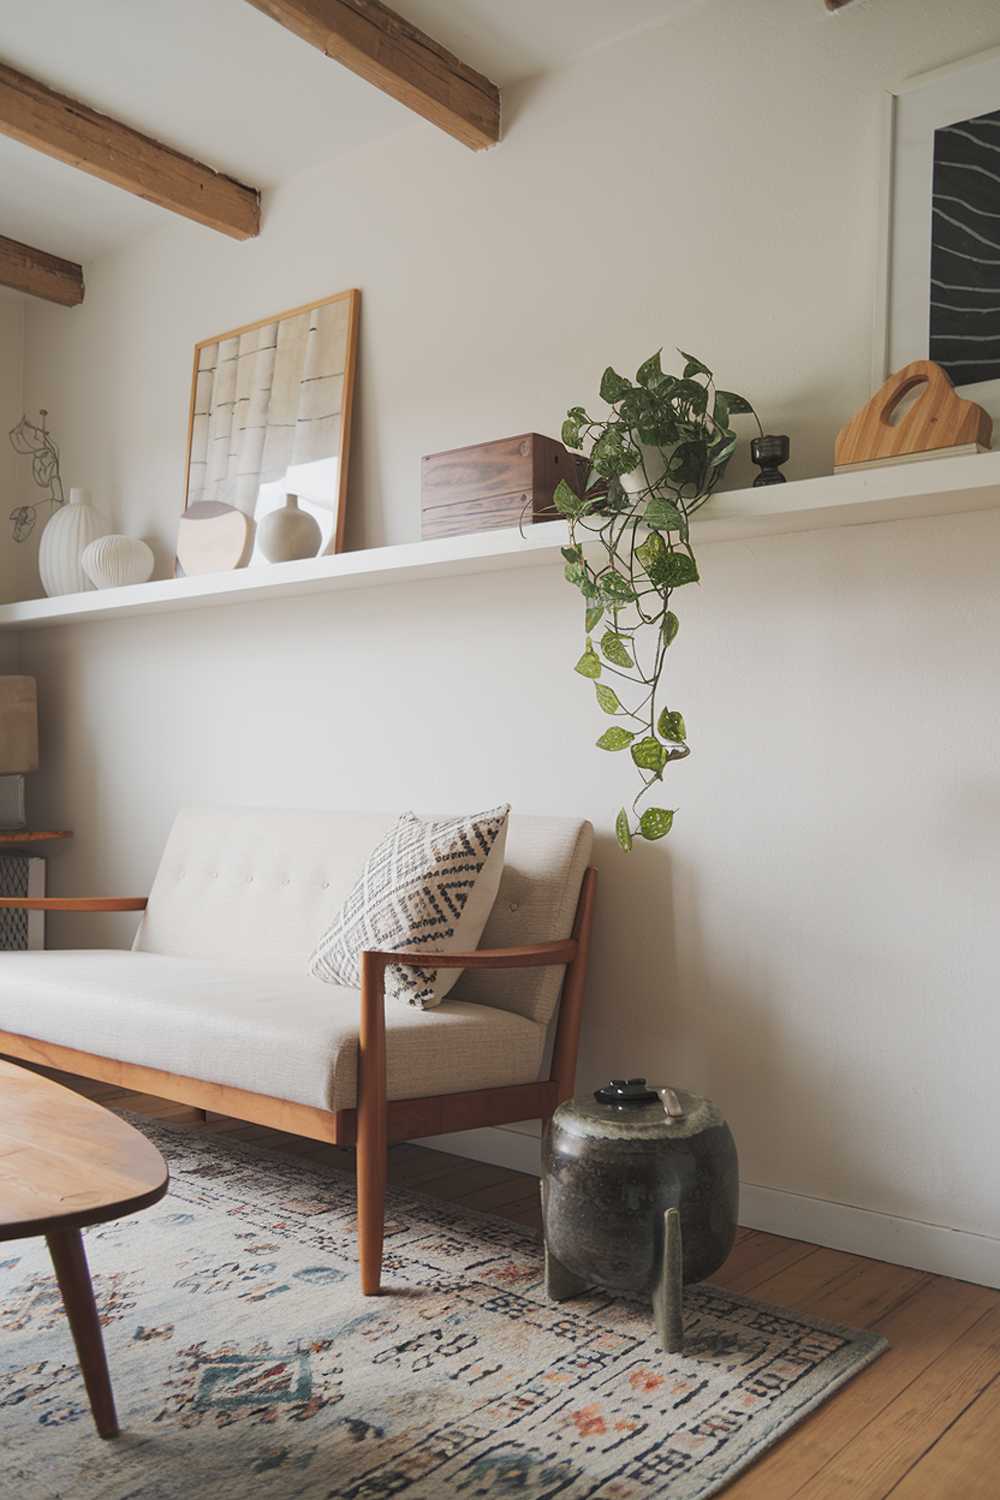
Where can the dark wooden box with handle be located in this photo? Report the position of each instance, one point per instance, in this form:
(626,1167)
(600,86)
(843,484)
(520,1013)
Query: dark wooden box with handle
(494,484)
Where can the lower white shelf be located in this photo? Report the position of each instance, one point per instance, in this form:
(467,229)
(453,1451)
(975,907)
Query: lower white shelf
(945,486)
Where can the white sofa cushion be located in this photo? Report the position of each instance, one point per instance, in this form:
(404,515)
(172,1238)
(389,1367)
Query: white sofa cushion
(261,884)
(286,1035)
(428,886)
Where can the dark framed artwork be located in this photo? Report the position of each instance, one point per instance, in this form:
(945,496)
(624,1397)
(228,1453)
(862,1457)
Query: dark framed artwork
(939,283)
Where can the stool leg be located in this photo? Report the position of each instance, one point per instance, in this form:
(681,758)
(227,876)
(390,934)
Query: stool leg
(70,1263)
(560,1283)
(668,1295)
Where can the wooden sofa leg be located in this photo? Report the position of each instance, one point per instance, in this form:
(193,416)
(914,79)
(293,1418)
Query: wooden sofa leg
(372,1123)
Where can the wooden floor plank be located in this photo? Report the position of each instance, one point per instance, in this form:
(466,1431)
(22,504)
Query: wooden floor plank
(965,1460)
(515,1189)
(796,1285)
(757,1257)
(920,1330)
(872,1464)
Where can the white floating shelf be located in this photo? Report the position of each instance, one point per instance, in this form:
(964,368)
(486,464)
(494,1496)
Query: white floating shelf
(931,487)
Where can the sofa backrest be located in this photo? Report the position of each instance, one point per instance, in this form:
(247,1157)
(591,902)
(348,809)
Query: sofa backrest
(248,886)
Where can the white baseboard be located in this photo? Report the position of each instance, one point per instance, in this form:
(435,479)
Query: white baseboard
(840,1226)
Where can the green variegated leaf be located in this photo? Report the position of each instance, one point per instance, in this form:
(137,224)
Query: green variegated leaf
(670,627)
(565,501)
(572,554)
(589,664)
(607,698)
(649,754)
(673,570)
(615,588)
(736,404)
(616,649)
(723,454)
(593,617)
(655,822)
(614,386)
(622,833)
(693,366)
(650,550)
(670,726)
(615,739)
(650,372)
(576,418)
(664,515)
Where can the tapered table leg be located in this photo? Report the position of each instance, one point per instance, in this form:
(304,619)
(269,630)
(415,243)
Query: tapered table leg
(70,1262)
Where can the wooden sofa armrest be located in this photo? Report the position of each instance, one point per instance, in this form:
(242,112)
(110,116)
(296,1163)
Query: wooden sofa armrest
(74,903)
(372,1123)
(538,956)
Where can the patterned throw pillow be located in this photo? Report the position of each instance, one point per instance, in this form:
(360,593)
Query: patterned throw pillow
(430,884)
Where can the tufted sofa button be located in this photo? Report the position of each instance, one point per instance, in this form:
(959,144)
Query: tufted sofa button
(514,906)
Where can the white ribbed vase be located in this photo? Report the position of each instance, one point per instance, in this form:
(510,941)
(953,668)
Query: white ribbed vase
(68,532)
(113,561)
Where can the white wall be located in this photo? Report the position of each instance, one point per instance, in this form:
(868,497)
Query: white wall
(11,380)
(815,943)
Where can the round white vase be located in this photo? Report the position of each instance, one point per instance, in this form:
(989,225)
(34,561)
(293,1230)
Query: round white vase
(288,534)
(649,473)
(114,561)
(67,533)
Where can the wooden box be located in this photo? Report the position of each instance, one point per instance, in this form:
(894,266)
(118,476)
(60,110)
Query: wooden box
(493,484)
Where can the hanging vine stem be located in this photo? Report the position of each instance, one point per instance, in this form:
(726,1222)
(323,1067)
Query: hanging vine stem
(654,461)
(35,441)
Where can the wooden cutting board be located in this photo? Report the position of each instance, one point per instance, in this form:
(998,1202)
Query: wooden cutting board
(937,419)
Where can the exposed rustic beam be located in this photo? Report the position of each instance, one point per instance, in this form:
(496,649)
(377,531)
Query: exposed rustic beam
(378,45)
(39,274)
(70,131)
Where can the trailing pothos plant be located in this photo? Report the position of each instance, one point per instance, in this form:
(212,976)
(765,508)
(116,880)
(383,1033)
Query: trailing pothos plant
(654,459)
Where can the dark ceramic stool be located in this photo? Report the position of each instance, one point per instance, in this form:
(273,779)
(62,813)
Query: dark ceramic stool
(640,1194)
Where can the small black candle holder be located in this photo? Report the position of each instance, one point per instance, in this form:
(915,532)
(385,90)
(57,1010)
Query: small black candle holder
(767,453)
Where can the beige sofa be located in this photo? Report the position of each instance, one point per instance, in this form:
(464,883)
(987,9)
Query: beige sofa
(213,1005)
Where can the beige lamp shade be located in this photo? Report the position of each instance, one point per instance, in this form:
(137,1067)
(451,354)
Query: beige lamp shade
(18,726)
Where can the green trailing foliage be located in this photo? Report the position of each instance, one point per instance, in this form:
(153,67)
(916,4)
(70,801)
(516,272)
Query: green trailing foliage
(654,459)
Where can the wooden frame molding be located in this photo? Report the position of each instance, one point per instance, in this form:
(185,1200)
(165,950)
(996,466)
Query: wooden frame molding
(376,1122)
(384,49)
(353,299)
(72,132)
(40,274)
(73,903)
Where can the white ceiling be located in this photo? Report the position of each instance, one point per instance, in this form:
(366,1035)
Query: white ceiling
(224,83)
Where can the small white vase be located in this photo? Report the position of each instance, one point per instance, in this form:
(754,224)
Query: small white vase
(288,534)
(649,473)
(114,561)
(67,533)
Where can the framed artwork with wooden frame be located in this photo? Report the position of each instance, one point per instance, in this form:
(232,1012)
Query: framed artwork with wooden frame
(269,433)
(938,280)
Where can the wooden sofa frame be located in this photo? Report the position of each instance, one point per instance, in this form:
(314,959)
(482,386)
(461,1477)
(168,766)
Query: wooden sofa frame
(376,1122)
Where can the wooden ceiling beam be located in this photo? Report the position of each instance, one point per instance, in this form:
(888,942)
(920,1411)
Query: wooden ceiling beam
(37,116)
(378,45)
(40,274)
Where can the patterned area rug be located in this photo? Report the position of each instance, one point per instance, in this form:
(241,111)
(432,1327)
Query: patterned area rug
(246,1362)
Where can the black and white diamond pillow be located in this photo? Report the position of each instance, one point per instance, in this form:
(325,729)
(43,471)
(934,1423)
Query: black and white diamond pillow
(430,884)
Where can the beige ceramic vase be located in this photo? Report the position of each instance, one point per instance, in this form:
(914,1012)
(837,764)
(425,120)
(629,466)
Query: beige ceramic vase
(288,534)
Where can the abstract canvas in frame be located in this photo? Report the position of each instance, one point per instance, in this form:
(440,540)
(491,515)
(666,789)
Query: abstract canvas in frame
(940,292)
(270,415)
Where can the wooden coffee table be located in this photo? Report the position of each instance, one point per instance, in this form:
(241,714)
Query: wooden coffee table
(65,1163)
